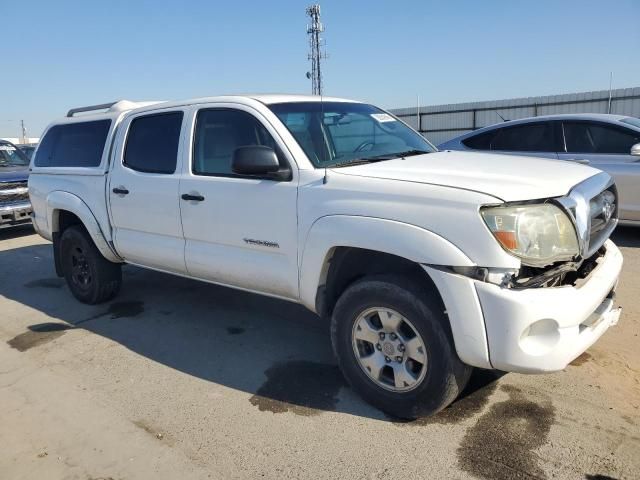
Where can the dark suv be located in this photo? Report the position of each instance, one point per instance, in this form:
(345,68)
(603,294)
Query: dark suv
(15,208)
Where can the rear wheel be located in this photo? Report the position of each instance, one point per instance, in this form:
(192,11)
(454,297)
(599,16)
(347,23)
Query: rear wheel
(394,347)
(91,277)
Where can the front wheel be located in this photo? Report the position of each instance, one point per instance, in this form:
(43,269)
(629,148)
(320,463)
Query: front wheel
(90,277)
(394,348)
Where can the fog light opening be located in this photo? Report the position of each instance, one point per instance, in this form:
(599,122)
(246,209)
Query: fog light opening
(540,337)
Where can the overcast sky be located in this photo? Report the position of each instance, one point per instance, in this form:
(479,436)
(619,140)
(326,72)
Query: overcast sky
(60,54)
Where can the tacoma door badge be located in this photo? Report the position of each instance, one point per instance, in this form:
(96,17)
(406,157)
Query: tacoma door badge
(262,243)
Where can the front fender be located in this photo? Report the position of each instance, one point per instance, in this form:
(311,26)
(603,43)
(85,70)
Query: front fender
(60,200)
(378,234)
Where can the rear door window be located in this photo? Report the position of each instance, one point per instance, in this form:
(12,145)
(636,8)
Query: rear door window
(73,145)
(534,137)
(481,141)
(152,143)
(585,137)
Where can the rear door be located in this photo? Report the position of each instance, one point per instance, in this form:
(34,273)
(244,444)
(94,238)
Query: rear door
(144,189)
(536,139)
(607,147)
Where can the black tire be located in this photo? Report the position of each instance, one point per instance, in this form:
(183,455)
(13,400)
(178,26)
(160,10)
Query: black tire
(91,277)
(446,375)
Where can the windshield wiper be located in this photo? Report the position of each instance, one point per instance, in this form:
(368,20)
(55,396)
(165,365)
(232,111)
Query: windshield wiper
(379,158)
(406,153)
(357,161)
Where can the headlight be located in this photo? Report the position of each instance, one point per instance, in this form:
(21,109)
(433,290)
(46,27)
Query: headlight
(540,234)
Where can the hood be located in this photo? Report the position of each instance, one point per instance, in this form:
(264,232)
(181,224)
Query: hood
(14,174)
(506,177)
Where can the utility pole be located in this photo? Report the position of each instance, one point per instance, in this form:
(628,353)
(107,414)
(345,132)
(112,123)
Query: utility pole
(24,132)
(314,29)
(610,85)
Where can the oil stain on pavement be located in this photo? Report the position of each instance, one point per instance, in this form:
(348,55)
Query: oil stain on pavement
(38,335)
(45,283)
(471,401)
(301,387)
(124,309)
(235,330)
(581,360)
(45,332)
(502,444)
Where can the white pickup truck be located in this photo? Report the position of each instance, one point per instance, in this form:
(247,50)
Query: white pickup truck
(427,263)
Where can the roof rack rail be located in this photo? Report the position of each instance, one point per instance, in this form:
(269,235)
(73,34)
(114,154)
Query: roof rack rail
(90,108)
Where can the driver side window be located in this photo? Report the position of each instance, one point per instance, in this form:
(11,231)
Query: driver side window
(219,132)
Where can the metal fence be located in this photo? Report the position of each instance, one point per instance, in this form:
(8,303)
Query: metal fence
(440,123)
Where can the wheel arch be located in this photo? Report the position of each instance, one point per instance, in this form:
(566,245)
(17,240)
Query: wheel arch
(347,265)
(334,244)
(65,209)
(339,242)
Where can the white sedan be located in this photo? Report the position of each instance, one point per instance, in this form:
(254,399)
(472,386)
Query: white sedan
(608,142)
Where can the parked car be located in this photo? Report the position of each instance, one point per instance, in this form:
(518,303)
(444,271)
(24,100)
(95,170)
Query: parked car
(28,149)
(608,142)
(427,263)
(15,208)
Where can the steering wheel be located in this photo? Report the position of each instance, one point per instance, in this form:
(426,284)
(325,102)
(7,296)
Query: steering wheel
(363,146)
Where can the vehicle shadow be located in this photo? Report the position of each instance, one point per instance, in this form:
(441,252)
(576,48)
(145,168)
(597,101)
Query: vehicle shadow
(625,236)
(7,233)
(274,350)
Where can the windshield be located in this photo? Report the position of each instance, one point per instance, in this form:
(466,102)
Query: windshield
(11,156)
(632,121)
(28,150)
(343,133)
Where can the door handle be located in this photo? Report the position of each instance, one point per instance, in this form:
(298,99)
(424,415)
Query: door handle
(583,161)
(120,191)
(194,197)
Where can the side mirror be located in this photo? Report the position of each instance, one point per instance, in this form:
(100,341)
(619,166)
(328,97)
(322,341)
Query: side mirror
(635,150)
(255,160)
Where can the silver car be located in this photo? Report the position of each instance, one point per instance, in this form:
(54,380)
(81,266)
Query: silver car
(608,142)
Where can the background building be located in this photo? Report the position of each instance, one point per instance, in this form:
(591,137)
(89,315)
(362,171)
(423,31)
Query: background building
(19,140)
(440,123)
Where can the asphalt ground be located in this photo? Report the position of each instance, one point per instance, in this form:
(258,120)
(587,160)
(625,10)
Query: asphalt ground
(180,379)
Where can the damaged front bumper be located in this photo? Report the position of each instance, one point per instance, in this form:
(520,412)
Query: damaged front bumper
(530,330)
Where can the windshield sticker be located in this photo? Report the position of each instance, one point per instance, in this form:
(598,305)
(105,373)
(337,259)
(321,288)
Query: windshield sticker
(382,117)
(7,148)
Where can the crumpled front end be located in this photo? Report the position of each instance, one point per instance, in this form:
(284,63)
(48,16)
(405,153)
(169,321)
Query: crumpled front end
(543,329)
(538,319)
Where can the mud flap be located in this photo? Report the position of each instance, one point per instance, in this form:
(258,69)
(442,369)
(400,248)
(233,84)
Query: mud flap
(56,254)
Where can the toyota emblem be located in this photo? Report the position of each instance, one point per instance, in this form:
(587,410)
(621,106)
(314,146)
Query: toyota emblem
(607,209)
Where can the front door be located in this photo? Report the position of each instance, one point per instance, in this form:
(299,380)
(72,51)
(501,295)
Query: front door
(239,230)
(607,147)
(144,191)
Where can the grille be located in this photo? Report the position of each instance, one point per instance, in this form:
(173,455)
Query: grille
(12,192)
(603,215)
(593,206)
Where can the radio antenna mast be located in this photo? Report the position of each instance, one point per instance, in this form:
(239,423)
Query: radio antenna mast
(314,29)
